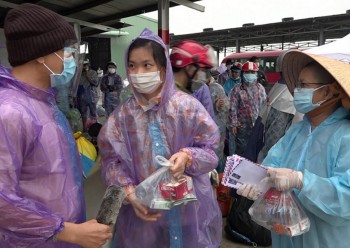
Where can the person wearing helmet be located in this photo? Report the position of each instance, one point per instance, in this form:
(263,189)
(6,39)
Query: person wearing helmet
(261,74)
(111,86)
(223,77)
(246,101)
(189,60)
(235,77)
(274,119)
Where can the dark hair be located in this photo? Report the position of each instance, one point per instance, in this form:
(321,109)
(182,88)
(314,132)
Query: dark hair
(156,49)
(229,62)
(252,59)
(94,129)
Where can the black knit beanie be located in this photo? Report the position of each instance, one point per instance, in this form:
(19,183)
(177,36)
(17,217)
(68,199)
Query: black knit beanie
(33,31)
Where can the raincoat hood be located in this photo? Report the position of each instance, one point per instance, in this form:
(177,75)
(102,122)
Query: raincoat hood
(169,85)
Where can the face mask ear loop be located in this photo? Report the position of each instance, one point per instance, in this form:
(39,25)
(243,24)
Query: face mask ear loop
(48,68)
(59,56)
(322,101)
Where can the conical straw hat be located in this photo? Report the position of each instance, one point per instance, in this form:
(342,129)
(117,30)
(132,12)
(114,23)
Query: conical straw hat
(294,61)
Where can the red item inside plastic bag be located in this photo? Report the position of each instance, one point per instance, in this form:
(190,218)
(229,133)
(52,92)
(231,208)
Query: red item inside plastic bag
(280,212)
(223,197)
(176,190)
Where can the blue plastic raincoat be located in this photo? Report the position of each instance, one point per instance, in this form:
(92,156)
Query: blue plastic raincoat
(128,142)
(323,156)
(40,170)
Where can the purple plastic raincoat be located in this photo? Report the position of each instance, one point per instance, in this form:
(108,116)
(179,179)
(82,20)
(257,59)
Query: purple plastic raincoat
(40,170)
(128,142)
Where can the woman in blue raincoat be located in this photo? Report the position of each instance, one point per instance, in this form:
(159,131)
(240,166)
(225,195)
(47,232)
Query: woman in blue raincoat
(159,120)
(313,156)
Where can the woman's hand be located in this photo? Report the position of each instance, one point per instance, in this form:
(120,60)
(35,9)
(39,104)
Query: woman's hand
(141,210)
(179,160)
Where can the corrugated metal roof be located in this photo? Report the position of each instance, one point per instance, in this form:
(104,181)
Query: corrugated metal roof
(102,12)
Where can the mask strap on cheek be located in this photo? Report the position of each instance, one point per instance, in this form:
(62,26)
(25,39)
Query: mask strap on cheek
(327,99)
(59,56)
(190,77)
(48,68)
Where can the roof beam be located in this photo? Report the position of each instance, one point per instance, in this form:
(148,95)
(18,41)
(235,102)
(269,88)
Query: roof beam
(189,5)
(32,1)
(83,7)
(124,14)
(68,19)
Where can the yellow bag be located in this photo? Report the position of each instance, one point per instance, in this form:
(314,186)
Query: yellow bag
(88,153)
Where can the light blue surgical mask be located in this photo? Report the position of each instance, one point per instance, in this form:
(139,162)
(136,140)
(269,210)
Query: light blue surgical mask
(303,99)
(64,78)
(250,77)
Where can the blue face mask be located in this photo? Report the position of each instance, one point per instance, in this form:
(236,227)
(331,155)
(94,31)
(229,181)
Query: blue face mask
(64,78)
(250,77)
(303,99)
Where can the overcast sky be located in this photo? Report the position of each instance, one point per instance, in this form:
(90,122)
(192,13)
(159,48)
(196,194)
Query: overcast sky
(222,14)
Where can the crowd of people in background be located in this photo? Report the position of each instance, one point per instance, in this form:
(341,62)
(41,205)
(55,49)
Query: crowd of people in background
(179,108)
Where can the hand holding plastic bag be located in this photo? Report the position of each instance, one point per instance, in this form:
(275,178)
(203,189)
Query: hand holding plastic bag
(280,212)
(162,190)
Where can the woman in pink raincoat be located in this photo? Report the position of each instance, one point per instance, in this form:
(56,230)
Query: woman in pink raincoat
(160,120)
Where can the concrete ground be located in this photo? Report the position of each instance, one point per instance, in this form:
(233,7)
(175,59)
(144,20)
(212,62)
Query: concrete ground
(94,190)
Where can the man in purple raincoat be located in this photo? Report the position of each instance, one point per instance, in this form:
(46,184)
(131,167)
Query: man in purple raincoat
(160,120)
(41,197)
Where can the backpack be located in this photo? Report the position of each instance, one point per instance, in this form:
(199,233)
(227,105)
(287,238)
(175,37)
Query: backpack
(241,228)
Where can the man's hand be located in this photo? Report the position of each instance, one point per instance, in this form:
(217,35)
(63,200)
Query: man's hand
(89,234)
(285,179)
(220,102)
(234,130)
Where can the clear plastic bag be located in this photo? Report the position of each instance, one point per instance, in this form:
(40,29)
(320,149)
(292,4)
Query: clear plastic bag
(162,191)
(280,212)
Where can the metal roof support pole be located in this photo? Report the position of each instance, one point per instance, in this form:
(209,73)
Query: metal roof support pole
(163,21)
(77,31)
(321,39)
(238,46)
(217,56)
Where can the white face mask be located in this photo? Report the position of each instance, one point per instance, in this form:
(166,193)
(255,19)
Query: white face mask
(111,70)
(146,83)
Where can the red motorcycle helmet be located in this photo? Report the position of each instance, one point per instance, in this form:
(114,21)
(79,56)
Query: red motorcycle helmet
(238,65)
(250,66)
(188,52)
